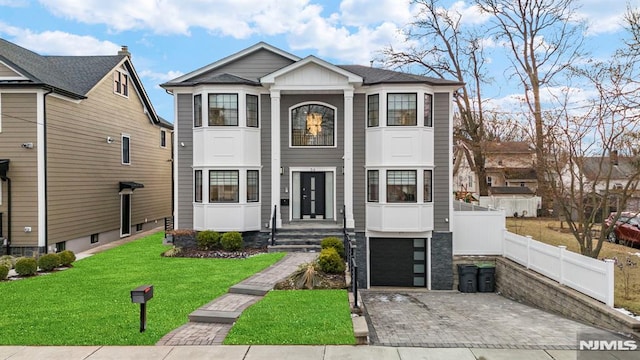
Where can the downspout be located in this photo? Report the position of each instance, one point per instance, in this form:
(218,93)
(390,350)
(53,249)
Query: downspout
(46,200)
(8,215)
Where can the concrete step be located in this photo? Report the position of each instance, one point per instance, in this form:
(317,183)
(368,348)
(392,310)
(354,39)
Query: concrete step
(256,290)
(293,248)
(214,316)
(297,241)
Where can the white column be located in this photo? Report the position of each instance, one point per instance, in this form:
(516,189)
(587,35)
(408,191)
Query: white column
(40,146)
(275,155)
(348,157)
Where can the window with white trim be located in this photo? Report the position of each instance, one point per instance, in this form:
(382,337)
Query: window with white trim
(126,150)
(401,186)
(197,186)
(197,110)
(401,109)
(373,186)
(121,83)
(428,186)
(428,110)
(373,110)
(313,125)
(163,138)
(223,186)
(253,186)
(223,109)
(252,111)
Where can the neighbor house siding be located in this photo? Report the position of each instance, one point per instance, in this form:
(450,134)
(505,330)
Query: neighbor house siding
(184,125)
(84,170)
(259,64)
(265,158)
(441,149)
(312,157)
(19,126)
(6,72)
(359,152)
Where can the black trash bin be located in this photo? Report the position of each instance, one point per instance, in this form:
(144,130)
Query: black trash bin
(486,278)
(467,278)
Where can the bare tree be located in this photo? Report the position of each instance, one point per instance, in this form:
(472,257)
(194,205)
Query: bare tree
(543,40)
(446,50)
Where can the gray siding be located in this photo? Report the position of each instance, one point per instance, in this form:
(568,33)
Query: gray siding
(265,157)
(441,149)
(252,67)
(5,71)
(359,152)
(184,185)
(312,157)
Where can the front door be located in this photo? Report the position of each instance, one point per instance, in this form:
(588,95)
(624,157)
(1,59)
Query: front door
(125,214)
(312,195)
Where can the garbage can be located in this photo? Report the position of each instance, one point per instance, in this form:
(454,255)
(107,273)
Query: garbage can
(486,278)
(467,278)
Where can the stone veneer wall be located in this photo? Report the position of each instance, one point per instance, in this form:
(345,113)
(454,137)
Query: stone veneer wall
(361,259)
(441,261)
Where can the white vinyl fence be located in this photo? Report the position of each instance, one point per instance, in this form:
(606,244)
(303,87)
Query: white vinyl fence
(523,206)
(483,233)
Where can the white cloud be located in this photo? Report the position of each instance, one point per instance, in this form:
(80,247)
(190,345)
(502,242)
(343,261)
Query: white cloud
(367,12)
(14,3)
(602,17)
(471,15)
(58,42)
(160,77)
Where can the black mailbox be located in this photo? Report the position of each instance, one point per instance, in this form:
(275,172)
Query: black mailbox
(142,294)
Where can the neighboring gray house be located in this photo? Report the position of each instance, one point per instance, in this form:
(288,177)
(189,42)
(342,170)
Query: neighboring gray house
(263,129)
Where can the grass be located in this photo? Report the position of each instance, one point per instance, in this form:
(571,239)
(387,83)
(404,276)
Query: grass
(90,303)
(545,230)
(296,317)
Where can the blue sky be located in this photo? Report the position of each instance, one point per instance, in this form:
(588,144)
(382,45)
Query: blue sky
(168,38)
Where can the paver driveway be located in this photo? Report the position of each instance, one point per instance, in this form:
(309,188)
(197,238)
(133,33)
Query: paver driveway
(454,319)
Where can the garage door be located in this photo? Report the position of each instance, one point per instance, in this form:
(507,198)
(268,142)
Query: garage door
(397,262)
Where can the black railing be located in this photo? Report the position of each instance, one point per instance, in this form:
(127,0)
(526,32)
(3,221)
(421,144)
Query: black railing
(168,225)
(273,225)
(350,257)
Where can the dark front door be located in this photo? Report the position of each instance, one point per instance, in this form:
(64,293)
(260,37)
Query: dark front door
(312,195)
(125,212)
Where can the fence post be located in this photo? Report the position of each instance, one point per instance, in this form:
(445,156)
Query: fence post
(503,243)
(610,282)
(562,250)
(529,238)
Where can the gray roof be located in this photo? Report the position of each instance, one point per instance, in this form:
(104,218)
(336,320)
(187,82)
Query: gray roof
(219,79)
(598,167)
(73,76)
(373,76)
(510,190)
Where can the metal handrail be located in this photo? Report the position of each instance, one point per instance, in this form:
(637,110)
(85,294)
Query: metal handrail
(350,257)
(273,225)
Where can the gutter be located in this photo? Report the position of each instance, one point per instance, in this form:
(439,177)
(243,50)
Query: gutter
(46,197)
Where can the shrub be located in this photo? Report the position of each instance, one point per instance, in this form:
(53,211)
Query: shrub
(48,262)
(66,257)
(174,251)
(208,240)
(26,266)
(9,259)
(231,241)
(306,276)
(4,271)
(330,262)
(333,242)
(6,262)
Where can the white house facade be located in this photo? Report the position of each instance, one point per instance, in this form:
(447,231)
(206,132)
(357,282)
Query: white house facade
(264,136)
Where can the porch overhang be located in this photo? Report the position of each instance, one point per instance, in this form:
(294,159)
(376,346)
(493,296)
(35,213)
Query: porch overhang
(131,185)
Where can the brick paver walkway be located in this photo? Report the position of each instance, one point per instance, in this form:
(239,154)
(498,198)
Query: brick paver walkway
(197,333)
(474,320)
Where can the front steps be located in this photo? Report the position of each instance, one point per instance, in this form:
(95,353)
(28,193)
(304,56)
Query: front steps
(303,239)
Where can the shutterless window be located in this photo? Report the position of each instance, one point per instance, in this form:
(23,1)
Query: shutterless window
(253,182)
(401,109)
(373,186)
(401,186)
(428,110)
(252,111)
(312,125)
(428,186)
(121,83)
(126,150)
(163,138)
(223,186)
(197,111)
(223,109)
(197,185)
(373,110)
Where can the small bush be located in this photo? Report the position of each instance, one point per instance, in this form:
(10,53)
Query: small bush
(330,262)
(231,241)
(9,259)
(333,242)
(4,271)
(174,251)
(26,266)
(306,276)
(66,257)
(48,262)
(208,240)
(7,263)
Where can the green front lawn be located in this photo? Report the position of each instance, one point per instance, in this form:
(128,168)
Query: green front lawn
(90,303)
(296,317)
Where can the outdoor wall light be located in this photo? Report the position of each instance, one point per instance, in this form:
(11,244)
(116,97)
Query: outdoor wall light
(109,140)
(281,170)
(27,145)
(182,144)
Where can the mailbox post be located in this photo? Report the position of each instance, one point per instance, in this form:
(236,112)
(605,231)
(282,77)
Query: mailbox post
(141,295)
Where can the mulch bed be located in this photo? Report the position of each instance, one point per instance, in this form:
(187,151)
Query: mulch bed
(218,254)
(327,281)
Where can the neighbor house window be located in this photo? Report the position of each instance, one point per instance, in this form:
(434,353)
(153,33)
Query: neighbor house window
(163,138)
(252,111)
(121,83)
(197,111)
(223,186)
(253,191)
(223,109)
(373,186)
(373,110)
(312,125)
(126,149)
(401,186)
(428,186)
(401,109)
(428,110)
(489,181)
(197,184)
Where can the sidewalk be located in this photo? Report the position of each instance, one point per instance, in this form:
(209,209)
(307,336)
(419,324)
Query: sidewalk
(261,352)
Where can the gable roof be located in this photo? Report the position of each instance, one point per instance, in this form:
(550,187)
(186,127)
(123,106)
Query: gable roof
(597,167)
(511,147)
(351,77)
(71,76)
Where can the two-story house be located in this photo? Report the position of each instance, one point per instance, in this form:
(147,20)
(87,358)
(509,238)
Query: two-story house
(263,135)
(84,158)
